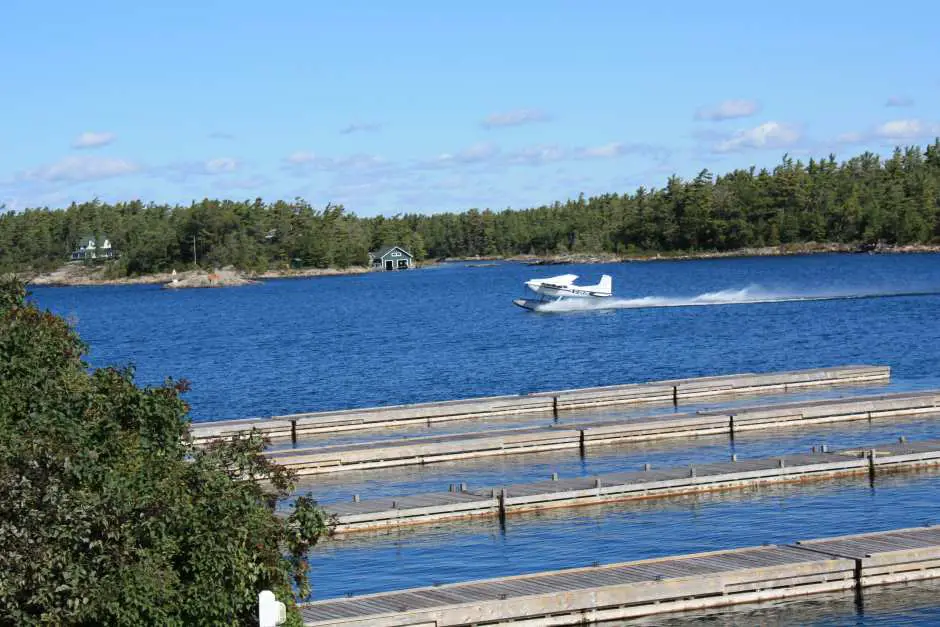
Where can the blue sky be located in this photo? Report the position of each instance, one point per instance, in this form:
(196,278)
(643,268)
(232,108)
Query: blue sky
(427,106)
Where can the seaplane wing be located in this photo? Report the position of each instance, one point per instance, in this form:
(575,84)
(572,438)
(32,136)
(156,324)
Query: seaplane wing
(562,280)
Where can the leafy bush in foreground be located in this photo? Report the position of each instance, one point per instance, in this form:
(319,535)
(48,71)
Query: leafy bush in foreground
(108,515)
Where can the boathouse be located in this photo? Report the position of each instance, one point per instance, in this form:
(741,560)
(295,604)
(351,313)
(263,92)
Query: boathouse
(391,258)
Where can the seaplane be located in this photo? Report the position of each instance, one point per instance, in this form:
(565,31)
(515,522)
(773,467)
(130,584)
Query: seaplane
(562,288)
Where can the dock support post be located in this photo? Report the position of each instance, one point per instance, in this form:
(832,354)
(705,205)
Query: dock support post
(554,476)
(555,407)
(646,466)
(871,466)
(691,470)
(734,457)
(731,426)
(675,396)
(463,487)
(581,442)
(355,498)
(502,507)
(293,432)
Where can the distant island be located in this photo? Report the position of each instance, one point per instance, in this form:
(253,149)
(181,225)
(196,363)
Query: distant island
(863,204)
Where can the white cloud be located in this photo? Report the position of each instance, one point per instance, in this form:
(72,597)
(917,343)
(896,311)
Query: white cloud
(613,150)
(184,170)
(899,101)
(538,155)
(893,131)
(221,165)
(90,139)
(905,129)
(77,169)
(300,157)
(249,182)
(850,138)
(728,110)
(766,135)
(362,127)
(477,153)
(515,118)
(302,162)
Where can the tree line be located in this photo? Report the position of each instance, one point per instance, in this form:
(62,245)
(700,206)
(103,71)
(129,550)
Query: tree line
(865,199)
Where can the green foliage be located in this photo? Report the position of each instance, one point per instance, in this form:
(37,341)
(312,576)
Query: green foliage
(109,516)
(865,199)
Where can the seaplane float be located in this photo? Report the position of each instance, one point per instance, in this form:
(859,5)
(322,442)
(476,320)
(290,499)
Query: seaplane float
(562,288)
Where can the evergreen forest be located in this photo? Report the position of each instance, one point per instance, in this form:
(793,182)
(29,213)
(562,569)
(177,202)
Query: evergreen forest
(862,201)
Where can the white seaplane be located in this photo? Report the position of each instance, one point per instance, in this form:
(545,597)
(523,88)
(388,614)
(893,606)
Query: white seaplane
(561,288)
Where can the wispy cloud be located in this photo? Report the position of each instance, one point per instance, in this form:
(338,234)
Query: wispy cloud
(221,135)
(517,117)
(614,150)
(360,127)
(303,162)
(481,152)
(79,169)
(90,139)
(893,131)
(537,155)
(728,110)
(767,135)
(906,129)
(242,183)
(185,170)
(899,101)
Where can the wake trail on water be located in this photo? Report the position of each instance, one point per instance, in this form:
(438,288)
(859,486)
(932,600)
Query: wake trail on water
(750,295)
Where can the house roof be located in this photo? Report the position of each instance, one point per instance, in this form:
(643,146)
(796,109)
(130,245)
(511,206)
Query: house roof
(387,249)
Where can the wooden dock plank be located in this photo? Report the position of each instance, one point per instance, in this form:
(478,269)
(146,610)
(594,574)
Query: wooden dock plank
(678,390)
(430,508)
(647,586)
(455,447)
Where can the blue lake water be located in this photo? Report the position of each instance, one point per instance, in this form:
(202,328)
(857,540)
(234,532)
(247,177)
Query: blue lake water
(451,331)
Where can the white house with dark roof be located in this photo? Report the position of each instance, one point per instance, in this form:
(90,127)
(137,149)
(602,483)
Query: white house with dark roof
(391,258)
(90,248)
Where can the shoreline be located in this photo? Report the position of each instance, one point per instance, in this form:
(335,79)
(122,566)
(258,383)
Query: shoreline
(80,276)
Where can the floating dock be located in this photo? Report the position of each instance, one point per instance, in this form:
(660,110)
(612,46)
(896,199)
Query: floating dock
(581,596)
(675,391)
(463,502)
(433,449)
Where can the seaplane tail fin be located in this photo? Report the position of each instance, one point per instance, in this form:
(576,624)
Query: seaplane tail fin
(604,287)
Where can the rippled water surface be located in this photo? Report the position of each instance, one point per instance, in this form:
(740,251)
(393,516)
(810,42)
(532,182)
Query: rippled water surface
(451,332)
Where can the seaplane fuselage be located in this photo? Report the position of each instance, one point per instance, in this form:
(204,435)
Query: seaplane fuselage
(563,288)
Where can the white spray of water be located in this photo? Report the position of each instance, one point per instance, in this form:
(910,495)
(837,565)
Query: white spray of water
(748,295)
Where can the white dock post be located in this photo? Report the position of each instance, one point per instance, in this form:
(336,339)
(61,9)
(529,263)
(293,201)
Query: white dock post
(271,612)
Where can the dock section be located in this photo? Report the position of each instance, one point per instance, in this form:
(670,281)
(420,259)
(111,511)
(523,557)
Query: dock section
(433,449)
(581,596)
(475,502)
(676,391)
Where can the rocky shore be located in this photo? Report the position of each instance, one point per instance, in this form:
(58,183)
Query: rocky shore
(82,275)
(201,279)
(76,275)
